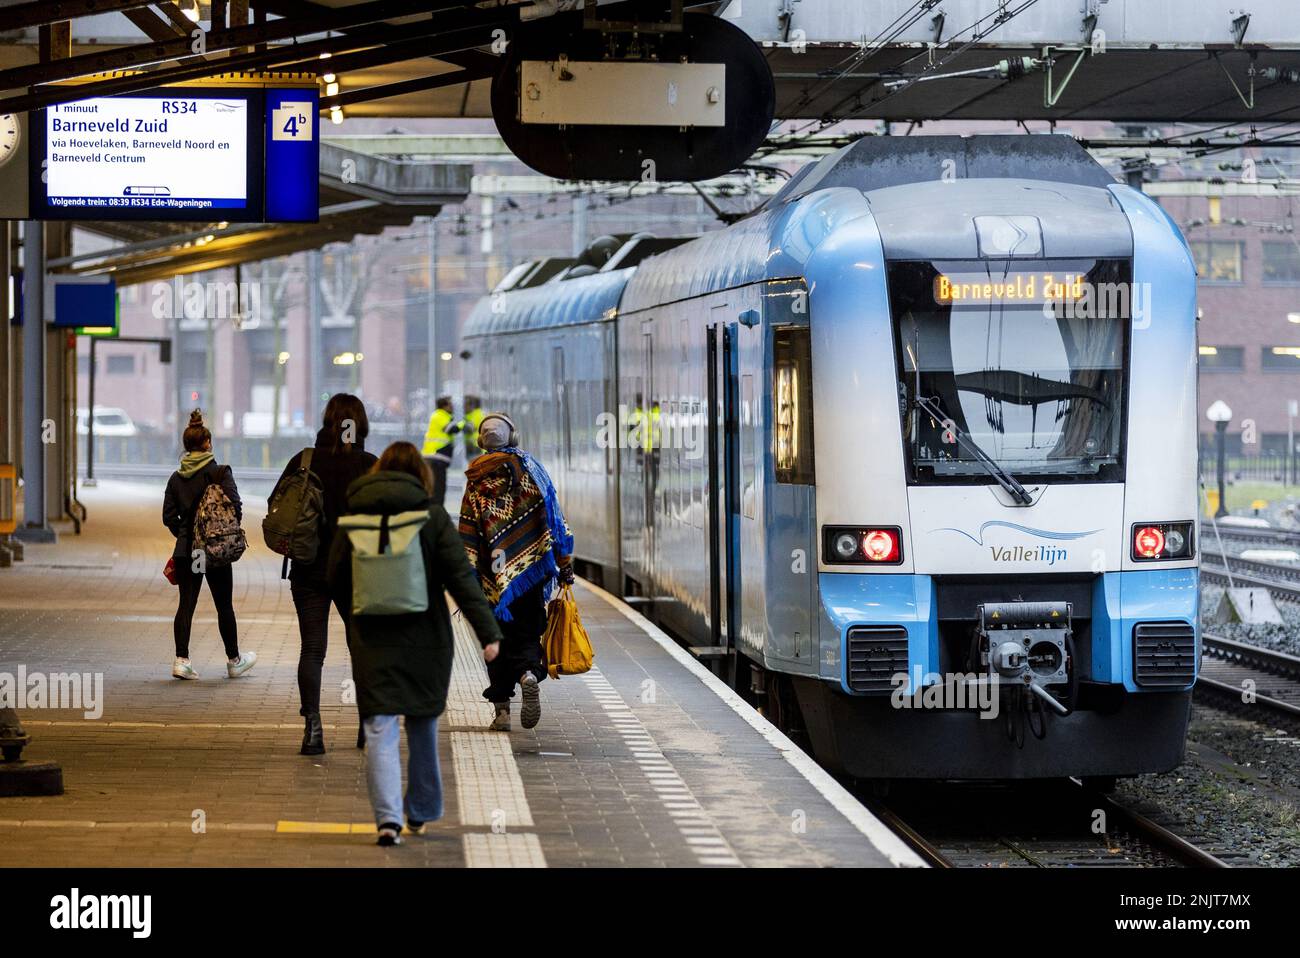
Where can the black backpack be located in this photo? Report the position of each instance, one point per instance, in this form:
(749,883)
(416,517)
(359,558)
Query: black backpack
(293,519)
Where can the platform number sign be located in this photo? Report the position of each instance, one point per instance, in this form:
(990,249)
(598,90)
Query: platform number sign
(292,121)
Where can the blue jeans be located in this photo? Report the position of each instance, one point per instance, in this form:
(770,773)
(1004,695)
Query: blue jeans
(384,769)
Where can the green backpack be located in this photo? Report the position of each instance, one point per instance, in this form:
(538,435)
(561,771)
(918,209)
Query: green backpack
(387,563)
(292,525)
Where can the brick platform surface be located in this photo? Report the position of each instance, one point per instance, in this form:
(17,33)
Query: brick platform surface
(638,763)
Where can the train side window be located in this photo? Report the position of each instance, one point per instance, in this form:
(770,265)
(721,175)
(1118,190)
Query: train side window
(792,452)
(749,444)
(563,437)
(699,436)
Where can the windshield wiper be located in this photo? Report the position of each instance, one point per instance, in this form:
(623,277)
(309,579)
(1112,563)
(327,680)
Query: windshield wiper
(1005,479)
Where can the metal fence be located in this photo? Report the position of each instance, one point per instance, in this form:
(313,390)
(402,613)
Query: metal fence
(248,453)
(1268,467)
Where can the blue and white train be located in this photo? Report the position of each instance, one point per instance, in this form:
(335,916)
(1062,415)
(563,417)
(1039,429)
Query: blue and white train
(909,454)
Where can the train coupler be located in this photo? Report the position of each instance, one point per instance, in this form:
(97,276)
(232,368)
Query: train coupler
(1027,645)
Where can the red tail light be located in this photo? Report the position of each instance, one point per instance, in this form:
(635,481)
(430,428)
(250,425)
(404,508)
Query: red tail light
(1148,542)
(880,545)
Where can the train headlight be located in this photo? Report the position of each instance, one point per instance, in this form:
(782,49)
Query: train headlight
(863,545)
(846,546)
(1162,541)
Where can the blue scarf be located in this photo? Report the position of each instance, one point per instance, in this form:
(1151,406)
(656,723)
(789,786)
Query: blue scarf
(547,570)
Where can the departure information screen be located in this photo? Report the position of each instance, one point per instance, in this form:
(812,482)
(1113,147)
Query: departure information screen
(202,154)
(147,153)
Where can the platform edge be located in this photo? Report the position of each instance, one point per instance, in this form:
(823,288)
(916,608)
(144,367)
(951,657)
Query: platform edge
(875,831)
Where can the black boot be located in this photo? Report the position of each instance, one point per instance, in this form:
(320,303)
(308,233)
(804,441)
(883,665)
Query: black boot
(361,734)
(313,736)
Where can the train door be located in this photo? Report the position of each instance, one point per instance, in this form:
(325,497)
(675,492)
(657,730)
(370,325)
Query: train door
(724,493)
(648,413)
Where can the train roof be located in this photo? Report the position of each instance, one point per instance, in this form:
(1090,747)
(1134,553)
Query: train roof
(924,193)
(584,299)
(880,162)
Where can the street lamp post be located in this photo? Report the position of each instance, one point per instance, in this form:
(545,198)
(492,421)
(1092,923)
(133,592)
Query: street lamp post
(1220,414)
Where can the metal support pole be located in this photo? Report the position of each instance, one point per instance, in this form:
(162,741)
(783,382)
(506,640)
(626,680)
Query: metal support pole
(1221,439)
(579,223)
(6,350)
(431,341)
(90,420)
(35,528)
(7,404)
(315,366)
(1290,442)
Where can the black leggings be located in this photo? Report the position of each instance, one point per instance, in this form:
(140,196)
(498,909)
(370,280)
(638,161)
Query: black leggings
(313,607)
(221,583)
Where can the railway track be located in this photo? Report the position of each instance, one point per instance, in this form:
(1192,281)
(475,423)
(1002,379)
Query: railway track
(1226,667)
(1247,536)
(1032,825)
(1282,580)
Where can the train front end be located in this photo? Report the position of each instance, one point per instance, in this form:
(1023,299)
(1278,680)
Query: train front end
(1006,458)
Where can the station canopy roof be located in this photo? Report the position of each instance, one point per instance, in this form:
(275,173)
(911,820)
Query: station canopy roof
(1172,61)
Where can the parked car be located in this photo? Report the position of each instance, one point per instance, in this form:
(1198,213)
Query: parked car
(109,421)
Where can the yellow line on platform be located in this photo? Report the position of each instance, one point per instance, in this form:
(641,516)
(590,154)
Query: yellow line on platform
(100,724)
(325,828)
(279,828)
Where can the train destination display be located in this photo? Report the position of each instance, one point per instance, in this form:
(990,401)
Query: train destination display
(202,154)
(148,153)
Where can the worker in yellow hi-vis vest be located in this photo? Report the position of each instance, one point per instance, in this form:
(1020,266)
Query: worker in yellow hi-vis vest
(469,428)
(438,445)
(644,437)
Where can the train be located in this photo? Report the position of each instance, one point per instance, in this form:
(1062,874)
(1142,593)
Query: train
(908,455)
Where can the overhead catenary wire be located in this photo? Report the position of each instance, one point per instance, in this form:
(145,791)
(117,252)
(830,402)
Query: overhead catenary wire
(869,49)
(1001,16)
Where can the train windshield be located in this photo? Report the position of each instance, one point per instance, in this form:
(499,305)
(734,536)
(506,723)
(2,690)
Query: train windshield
(1024,361)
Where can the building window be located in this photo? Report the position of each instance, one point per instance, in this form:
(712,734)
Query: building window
(120,366)
(1219,358)
(1280,357)
(1281,262)
(1217,261)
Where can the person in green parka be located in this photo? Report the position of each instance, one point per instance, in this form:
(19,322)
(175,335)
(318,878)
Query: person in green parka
(401,664)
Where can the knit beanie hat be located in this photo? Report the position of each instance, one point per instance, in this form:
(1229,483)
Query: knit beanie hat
(494,432)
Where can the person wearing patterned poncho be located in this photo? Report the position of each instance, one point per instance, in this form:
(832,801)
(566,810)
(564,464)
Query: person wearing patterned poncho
(519,544)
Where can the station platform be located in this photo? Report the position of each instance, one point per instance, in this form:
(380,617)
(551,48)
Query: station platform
(648,760)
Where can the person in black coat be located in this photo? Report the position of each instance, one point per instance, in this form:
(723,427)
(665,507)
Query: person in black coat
(338,458)
(401,664)
(185,487)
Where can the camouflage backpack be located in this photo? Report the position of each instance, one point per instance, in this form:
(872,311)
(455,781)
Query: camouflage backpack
(216,527)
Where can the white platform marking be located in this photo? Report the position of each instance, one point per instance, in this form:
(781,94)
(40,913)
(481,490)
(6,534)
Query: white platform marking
(705,840)
(875,831)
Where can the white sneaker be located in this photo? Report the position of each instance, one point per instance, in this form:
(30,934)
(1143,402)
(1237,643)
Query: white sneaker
(237,667)
(182,669)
